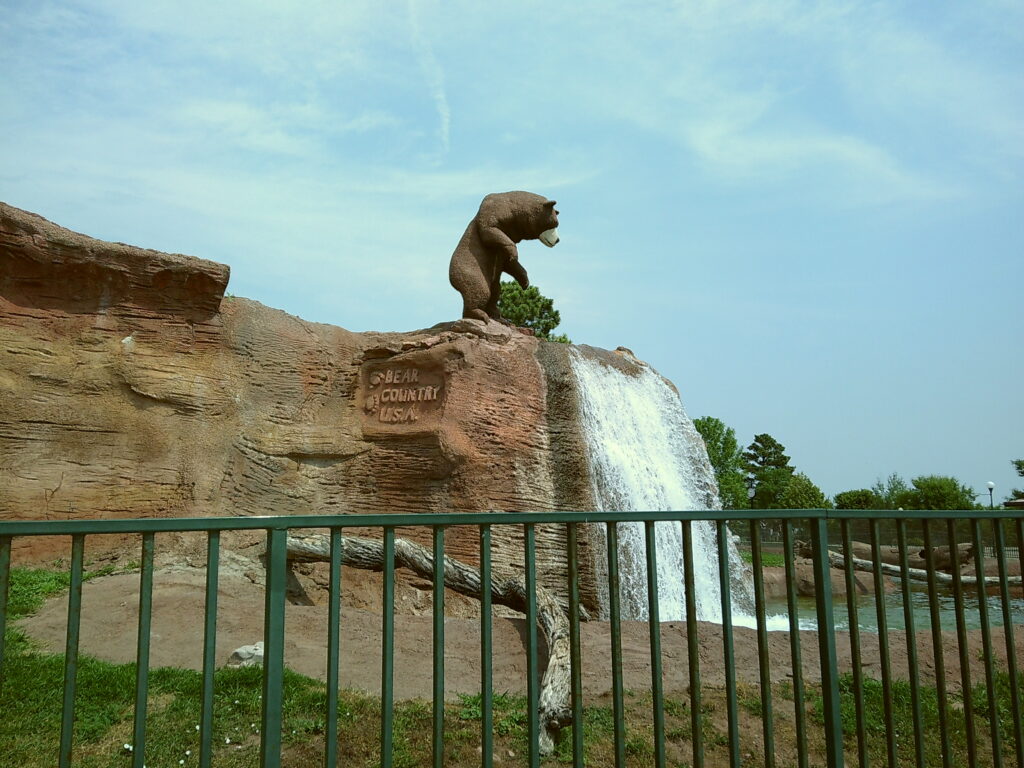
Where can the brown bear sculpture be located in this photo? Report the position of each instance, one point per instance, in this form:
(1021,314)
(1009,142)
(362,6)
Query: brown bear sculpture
(488,248)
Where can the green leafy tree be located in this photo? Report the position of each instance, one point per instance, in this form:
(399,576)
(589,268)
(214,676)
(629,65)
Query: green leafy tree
(892,492)
(726,459)
(937,492)
(770,487)
(768,471)
(529,308)
(1017,493)
(861,498)
(801,493)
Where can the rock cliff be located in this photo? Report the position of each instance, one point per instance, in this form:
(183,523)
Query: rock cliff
(131,386)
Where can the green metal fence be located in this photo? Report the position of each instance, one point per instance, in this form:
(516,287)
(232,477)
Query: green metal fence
(843,699)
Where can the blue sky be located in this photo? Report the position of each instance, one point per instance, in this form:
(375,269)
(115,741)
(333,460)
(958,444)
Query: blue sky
(808,216)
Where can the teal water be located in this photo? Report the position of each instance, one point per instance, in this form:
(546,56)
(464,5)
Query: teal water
(867,615)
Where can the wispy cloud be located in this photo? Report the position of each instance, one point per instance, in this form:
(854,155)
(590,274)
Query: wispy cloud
(286,128)
(867,172)
(853,102)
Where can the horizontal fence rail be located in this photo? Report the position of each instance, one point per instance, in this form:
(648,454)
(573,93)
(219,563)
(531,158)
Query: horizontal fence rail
(899,635)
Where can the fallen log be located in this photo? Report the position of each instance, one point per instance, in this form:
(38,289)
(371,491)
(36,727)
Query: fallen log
(915,574)
(552,614)
(942,557)
(917,557)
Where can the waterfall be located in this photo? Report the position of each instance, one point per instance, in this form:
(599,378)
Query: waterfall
(646,455)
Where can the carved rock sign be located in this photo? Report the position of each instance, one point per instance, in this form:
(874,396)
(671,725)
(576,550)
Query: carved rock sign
(401,396)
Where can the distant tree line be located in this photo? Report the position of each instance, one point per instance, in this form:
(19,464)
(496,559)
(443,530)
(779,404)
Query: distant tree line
(762,477)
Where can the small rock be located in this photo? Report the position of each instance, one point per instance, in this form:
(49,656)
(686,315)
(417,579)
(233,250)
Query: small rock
(490,331)
(247,656)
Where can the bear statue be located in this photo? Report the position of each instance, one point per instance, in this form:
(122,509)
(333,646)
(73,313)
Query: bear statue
(488,248)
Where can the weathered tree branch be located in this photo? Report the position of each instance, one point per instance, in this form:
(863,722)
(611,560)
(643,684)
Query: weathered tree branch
(552,615)
(915,574)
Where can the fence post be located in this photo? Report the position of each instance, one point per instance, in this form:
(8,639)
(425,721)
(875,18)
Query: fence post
(728,645)
(273,647)
(827,644)
(209,647)
(142,650)
(5,578)
(333,652)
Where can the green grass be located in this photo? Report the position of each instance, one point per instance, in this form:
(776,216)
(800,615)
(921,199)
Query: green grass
(29,587)
(876,724)
(30,700)
(768,559)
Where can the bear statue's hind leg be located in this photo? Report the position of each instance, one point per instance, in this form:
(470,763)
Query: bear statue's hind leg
(475,297)
(475,314)
(492,309)
(494,294)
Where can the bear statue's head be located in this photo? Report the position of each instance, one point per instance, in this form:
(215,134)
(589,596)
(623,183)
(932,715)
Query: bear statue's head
(548,224)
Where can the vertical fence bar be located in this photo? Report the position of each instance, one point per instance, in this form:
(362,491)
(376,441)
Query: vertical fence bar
(827,643)
(1020,557)
(883,643)
(654,632)
(575,657)
(961,636)
(209,648)
(616,639)
(438,740)
(937,648)
(855,653)
(1008,636)
(142,651)
(911,633)
(986,639)
(1020,545)
(767,720)
(273,647)
(692,649)
(71,650)
(728,647)
(486,681)
(333,652)
(5,580)
(531,644)
(794,644)
(387,653)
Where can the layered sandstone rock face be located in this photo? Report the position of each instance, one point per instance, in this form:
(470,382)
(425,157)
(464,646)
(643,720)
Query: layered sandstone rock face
(130,386)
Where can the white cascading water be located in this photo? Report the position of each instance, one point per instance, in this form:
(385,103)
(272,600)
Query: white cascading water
(645,455)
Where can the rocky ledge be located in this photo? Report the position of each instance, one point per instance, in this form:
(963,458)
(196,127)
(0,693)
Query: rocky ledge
(130,386)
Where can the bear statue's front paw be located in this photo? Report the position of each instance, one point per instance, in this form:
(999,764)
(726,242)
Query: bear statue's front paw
(523,281)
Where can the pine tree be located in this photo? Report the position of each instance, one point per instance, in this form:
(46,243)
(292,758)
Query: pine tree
(529,308)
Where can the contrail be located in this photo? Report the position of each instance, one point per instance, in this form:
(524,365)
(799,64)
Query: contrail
(434,75)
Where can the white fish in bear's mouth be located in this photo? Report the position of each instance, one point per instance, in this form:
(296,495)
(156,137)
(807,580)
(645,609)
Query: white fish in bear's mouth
(549,237)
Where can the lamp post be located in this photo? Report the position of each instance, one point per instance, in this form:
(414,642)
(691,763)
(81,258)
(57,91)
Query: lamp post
(991,487)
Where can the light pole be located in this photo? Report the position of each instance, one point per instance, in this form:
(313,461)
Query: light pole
(991,487)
